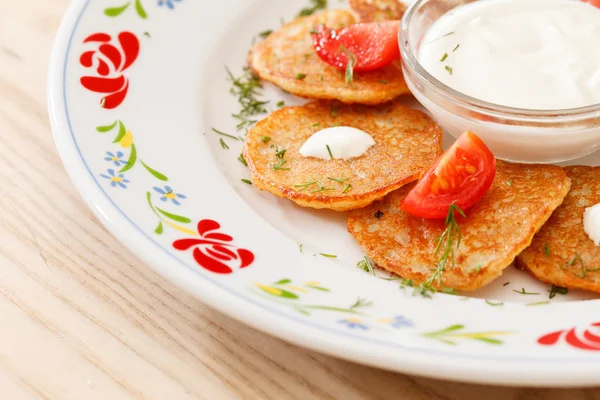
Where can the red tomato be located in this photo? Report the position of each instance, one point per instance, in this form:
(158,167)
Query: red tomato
(374,45)
(462,175)
(595,3)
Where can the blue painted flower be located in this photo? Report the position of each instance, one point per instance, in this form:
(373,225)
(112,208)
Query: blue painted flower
(115,158)
(168,194)
(168,3)
(354,323)
(116,179)
(400,321)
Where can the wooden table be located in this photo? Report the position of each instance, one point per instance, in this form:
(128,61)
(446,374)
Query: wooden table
(81,318)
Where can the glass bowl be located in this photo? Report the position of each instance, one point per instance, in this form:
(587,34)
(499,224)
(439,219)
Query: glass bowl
(513,134)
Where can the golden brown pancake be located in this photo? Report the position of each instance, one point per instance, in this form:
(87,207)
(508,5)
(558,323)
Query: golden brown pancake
(562,253)
(288,59)
(378,10)
(407,142)
(496,230)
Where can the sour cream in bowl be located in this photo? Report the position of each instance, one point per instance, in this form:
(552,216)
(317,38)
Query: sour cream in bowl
(523,74)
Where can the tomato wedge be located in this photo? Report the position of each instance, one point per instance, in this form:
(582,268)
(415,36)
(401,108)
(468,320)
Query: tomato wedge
(462,175)
(374,45)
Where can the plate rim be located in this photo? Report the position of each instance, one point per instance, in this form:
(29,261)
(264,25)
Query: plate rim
(405,359)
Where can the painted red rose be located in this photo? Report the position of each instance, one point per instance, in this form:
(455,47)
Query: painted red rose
(109,61)
(588,339)
(214,251)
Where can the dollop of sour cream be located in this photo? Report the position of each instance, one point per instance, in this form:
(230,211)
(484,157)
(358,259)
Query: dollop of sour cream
(535,54)
(344,143)
(591,223)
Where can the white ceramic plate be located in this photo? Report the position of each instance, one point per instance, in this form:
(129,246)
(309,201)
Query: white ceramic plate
(164,203)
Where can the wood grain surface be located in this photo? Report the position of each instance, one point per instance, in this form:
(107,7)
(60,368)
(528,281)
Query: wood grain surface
(81,318)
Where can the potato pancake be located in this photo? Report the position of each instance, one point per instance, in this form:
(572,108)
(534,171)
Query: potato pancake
(378,10)
(288,59)
(562,253)
(407,142)
(496,230)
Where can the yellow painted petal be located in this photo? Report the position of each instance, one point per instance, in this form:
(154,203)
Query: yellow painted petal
(481,334)
(127,140)
(354,320)
(385,320)
(182,229)
(297,289)
(270,289)
(313,283)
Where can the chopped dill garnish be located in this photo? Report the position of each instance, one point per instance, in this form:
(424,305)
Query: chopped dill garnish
(347,188)
(280,103)
(247,88)
(366,265)
(349,77)
(226,134)
(378,214)
(456,48)
(265,139)
(266,33)
(242,159)
(249,182)
(305,185)
(547,249)
(300,245)
(537,303)
(522,291)
(450,236)
(494,304)
(280,154)
(444,57)
(506,283)
(383,81)
(509,183)
(328,255)
(300,76)
(340,180)
(223,144)
(316,125)
(451,291)
(449,69)
(554,290)
(323,188)
(329,151)
(315,5)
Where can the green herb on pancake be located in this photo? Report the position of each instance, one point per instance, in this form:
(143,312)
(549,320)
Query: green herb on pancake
(522,291)
(347,188)
(447,244)
(349,77)
(242,159)
(329,151)
(300,76)
(280,154)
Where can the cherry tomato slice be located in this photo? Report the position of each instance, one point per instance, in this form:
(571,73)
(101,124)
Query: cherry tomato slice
(462,175)
(374,45)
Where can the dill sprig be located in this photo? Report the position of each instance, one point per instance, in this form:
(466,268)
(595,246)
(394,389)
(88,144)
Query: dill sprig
(242,159)
(366,265)
(522,291)
(247,88)
(554,290)
(349,77)
(451,236)
(223,144)
(339,180)
(305,185)
(328,255)
(329,151)
(280,154)
(314,6)
(225,134)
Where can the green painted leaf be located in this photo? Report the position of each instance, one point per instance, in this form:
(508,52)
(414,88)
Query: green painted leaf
(319,288)
(154,172)
(283,282)
(490,340)
(302,310)
(174,217)
(116,11)
(159,229)
(107,128)
(452,328)
(140,9)
(122,132)
(132,159)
